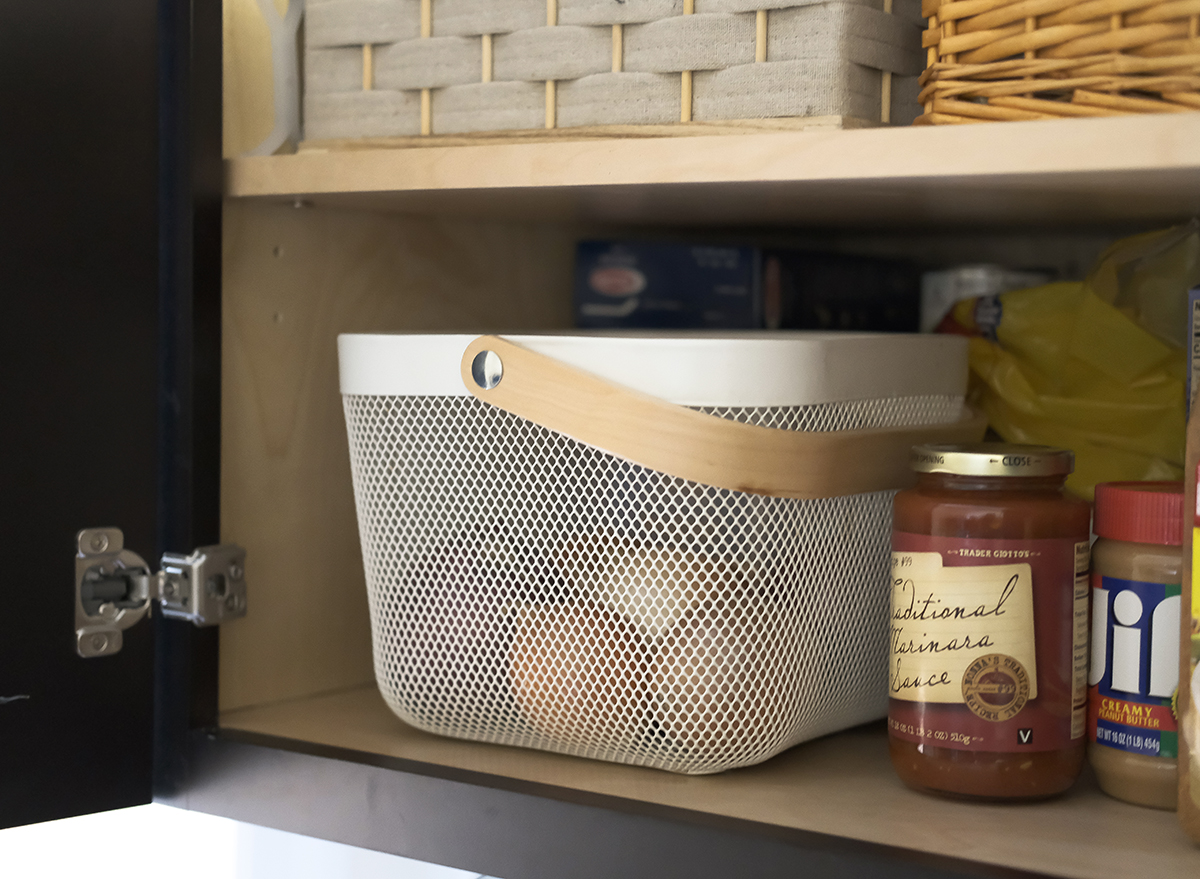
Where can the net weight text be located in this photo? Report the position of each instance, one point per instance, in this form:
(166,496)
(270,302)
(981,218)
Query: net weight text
(933,735)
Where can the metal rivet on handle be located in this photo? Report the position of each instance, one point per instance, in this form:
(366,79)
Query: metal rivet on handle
(487,370)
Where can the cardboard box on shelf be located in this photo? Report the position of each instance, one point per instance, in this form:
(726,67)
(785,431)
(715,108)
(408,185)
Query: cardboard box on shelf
(803,290)
(648,285)
(654,285)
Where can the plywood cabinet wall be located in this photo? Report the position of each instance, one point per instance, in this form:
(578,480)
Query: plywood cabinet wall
(246,71)
(293,278)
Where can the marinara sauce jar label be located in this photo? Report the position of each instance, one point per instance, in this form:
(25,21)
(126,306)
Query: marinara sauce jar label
(963,635)
(988,658)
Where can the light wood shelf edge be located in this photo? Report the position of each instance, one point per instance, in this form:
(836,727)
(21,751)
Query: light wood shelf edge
(841,785)
(1169,143)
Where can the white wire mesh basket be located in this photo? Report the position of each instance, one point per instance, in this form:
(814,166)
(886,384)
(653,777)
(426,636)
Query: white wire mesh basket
(533,583)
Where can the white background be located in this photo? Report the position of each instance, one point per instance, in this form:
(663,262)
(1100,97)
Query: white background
(150,842)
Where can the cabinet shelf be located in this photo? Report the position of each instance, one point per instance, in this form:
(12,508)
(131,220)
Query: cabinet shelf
(1121,170)
(840,787)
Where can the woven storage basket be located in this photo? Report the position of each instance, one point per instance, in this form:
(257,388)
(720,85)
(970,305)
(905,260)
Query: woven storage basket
(565,562)
(405,68)
(1047,59)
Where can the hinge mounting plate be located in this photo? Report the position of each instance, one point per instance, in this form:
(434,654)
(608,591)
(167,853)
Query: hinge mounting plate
(114,588)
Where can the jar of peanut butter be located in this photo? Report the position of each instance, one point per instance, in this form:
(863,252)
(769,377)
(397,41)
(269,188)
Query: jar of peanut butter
(988,668)
(1134,673)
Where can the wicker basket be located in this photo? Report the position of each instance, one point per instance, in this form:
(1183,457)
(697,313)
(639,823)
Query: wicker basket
(1048,59)
(415,68)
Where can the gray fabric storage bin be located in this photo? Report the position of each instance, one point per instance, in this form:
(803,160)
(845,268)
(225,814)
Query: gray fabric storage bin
(619,99)
(559,53)
(423,64)
(362,114)
(355,22)
(489,106)
(507,65)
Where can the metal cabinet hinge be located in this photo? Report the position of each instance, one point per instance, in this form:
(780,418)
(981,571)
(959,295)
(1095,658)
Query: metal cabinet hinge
(114,588)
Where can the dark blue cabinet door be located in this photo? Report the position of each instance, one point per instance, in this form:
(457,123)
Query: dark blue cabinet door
(79,390)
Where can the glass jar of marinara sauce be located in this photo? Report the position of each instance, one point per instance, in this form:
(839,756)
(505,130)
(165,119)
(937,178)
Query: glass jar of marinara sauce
(989,623)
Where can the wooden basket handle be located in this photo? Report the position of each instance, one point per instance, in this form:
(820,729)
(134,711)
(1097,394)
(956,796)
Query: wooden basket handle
(701,448)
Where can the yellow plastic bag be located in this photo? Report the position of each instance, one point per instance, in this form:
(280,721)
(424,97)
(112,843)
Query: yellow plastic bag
(1097,366)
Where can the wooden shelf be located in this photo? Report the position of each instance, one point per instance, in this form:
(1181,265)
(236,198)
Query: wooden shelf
(841,786)
(1133,169)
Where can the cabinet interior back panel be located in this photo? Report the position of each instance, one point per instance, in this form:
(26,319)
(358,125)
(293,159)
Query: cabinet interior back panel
(249,93)
(293,279)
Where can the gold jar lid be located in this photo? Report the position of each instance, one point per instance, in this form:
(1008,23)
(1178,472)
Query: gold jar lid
(991,459)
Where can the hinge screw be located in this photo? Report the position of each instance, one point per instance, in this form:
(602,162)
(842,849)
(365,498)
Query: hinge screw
(99,542)
(100,641)
(235,572)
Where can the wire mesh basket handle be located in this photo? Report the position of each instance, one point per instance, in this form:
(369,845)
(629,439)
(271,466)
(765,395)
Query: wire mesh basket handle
(684,443)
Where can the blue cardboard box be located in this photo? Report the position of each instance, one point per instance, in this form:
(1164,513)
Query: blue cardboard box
(651,285)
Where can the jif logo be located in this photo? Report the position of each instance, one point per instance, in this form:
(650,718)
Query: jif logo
(1135,638)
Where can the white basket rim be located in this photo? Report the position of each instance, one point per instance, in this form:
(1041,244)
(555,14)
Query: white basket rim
(752,368)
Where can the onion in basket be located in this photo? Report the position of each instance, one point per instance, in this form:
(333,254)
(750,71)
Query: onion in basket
(720,696)
(652,585)
(578,673)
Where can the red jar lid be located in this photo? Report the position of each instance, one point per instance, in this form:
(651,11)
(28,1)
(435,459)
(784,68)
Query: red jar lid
(1140,512)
